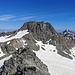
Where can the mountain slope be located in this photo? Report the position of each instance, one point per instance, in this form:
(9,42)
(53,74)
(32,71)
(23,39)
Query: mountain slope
(45,32)
(24,62)
(51,48)
(57,65)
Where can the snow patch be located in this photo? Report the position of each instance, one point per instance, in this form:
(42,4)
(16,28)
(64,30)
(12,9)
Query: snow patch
(46,46)
(73,51)
(3,38)
(24,42)
(18,35)
(1,53)
(57,65)
(16,48)
(48,41)
(2,61)
(8,42)
(21,33)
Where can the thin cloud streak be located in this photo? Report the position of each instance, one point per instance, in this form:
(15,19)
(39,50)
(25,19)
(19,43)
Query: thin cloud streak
(6,17)
(25,18)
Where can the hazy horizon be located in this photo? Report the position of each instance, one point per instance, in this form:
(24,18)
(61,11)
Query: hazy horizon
(10,30)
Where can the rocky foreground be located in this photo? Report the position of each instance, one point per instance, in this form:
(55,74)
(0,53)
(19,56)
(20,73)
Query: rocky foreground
(24,62)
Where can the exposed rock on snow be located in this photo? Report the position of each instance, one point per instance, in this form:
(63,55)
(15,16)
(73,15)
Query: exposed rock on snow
(46,33)
(2,60)
(57,65)
(24,62)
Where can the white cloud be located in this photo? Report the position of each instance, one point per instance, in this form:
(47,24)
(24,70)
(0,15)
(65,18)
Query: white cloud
(6,17)
(25,18)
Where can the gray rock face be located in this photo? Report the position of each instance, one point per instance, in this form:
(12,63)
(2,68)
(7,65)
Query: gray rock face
(40,30)
(44,32)
(7,49)
(24,62)
(31,42)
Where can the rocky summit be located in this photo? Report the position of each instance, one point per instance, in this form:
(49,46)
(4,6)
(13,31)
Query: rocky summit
(40,30)
(33,50)
(45,32)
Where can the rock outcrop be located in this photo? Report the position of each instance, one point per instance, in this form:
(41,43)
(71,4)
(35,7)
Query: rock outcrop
(45,32)
(39,31)
(24,62)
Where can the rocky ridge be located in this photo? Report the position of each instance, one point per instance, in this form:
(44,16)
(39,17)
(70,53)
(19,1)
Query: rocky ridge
(24,62)
(45,32)
(39,31)
(21,46)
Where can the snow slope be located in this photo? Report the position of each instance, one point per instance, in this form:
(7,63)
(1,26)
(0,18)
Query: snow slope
(1,53)
(73,51)
(18,35)
(57,65)
(2,60)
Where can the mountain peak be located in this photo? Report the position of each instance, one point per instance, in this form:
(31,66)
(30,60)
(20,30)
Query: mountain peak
(40,30)
(69,34)
(67,30)
(35,25)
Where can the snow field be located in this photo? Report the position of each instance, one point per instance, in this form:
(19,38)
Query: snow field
(18,35)
(57,65)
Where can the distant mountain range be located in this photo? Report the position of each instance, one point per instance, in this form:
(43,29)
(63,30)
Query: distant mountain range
(62,30)
(69,34)
(7,30)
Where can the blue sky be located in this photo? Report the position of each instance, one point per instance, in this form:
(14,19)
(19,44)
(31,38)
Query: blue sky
(60,13)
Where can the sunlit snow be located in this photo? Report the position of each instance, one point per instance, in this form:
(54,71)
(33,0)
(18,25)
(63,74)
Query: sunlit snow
(2,60)
(57,65)
(18,35)
(1,53)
